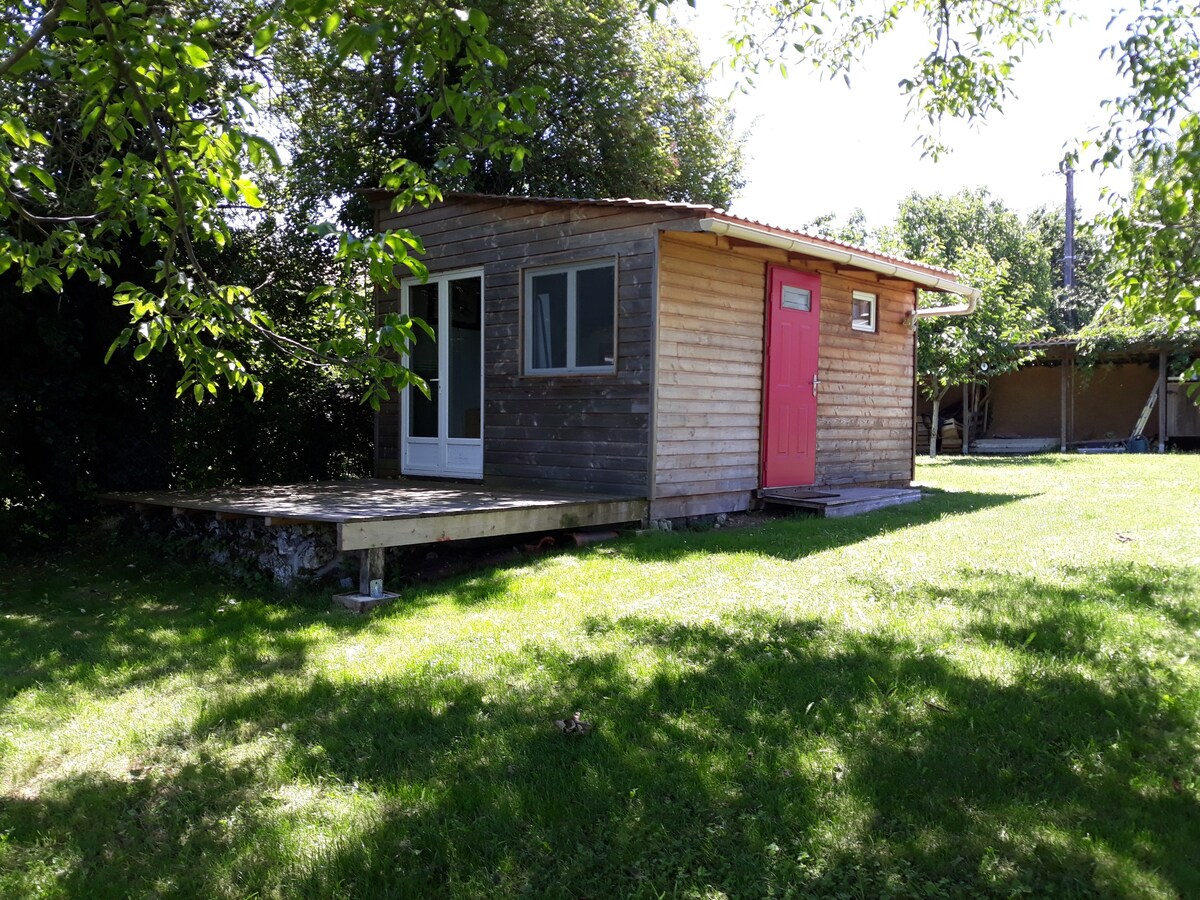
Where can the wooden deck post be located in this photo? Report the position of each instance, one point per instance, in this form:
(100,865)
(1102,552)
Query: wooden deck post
(1162,401)
(370,568)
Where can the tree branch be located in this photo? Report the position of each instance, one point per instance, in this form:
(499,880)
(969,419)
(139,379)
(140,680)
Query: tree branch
(44,27)
(22,212)
(180,233)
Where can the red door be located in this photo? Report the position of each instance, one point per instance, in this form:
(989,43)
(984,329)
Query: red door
(790,401)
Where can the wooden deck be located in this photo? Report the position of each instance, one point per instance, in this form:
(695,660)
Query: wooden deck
(375,513)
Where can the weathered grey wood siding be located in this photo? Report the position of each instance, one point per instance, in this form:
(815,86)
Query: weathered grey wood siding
(708,396)
(580,431)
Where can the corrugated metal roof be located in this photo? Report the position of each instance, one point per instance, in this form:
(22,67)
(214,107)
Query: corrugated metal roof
(1058,340)
(705,210)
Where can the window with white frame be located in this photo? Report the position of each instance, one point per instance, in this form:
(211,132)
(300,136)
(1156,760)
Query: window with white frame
(862,311)
(570,319)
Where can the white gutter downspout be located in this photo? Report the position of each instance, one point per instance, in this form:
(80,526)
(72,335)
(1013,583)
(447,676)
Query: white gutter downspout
(858,260)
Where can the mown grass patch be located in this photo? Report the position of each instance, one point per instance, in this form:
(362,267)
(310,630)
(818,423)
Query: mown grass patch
(994,692)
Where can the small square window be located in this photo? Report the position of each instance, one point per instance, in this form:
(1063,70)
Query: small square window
(796,298)
(570,319)
(862,311)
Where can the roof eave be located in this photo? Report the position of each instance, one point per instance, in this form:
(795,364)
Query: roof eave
(846,256)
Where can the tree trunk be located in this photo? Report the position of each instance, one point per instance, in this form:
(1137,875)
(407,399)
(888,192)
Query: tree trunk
(935,426)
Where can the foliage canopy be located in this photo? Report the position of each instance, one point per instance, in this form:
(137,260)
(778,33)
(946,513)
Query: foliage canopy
(170,126)
(126,121)
(623,110)
(993,250)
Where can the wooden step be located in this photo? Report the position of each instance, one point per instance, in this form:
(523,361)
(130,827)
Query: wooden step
(835,503)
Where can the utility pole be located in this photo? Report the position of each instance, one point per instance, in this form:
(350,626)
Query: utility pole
(1069,251)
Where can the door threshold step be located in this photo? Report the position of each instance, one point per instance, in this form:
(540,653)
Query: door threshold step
(835,504)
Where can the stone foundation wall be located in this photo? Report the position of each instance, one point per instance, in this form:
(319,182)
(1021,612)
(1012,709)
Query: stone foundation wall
(286,553)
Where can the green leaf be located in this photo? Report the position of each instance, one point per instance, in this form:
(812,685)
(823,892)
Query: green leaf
(196,55)
(249,191)
(15,129)
(478,20)
(41,175)
(263,39)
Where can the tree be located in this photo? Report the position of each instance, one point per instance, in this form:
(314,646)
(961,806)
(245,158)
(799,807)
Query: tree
(1072,309)
(941,228)
(1155,270)
(149,122)
(964,350)
(123,122)
(850,230)
(966,72)
(994,251)
(623,111)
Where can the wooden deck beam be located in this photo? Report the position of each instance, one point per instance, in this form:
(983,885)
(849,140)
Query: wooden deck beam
(275,521)
(431,529)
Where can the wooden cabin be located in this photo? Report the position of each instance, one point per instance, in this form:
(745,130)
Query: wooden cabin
(667,351)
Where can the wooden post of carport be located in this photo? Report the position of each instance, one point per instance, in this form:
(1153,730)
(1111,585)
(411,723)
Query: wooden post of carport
(966,417)
(1063,401)
(1162,401)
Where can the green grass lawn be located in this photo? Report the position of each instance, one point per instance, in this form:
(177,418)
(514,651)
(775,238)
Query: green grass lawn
(994,692)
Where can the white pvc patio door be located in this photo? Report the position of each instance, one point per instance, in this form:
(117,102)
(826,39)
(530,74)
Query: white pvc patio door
(442,434)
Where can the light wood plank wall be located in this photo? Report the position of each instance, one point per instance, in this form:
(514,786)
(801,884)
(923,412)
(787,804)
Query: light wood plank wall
(708,397)
(588,432)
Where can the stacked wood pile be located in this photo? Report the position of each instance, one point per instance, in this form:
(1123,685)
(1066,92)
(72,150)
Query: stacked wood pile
(923,434)
(951,441)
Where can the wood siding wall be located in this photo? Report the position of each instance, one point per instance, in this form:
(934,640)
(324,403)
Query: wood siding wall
(588,432)
(708,397)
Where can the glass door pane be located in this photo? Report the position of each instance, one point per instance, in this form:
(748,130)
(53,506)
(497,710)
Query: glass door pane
(465,365)
(422,410)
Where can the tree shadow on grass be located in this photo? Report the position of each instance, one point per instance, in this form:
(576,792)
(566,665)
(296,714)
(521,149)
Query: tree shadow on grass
(99,622)
(165,832)
(751,755)
(1070,612)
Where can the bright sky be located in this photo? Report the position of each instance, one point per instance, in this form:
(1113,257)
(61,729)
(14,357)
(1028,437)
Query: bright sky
(819,146)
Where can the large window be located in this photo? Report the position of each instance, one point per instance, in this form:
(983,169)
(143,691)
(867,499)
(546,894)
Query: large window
(570,319)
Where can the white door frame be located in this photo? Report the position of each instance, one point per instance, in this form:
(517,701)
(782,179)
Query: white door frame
(443,455)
